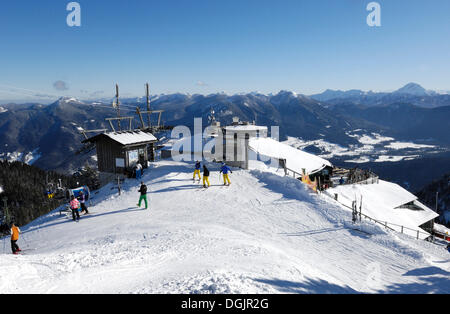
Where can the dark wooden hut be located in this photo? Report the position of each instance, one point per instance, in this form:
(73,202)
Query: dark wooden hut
(119,152)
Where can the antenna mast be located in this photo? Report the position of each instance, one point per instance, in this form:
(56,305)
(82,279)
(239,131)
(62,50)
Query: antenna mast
(118,107)
(148,104)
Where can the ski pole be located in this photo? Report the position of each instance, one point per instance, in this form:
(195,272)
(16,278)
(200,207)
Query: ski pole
(23,237)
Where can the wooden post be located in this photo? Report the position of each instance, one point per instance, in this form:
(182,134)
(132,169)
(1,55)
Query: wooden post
(402,229)
(112,126)
(360,209)
(437,201)
(118,183)
(118,106)
(418,234)
(159,119)
(138,111)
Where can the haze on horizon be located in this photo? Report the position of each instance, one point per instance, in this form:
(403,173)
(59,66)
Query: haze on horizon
(210,47)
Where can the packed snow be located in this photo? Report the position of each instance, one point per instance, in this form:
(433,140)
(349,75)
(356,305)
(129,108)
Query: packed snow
(296,159)
(263,234)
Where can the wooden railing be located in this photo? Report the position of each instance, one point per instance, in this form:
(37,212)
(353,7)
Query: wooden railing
(385,224)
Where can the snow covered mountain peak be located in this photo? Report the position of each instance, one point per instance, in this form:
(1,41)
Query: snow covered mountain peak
(413,89)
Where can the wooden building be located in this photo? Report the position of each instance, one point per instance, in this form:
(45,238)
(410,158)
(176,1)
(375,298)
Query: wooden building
(119,152)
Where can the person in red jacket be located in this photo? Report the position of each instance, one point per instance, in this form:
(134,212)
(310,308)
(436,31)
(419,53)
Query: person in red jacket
(15,231)
(74,206)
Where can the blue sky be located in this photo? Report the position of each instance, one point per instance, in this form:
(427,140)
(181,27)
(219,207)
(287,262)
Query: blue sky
(207,46)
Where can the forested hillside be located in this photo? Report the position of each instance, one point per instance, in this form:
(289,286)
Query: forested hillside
(24,188)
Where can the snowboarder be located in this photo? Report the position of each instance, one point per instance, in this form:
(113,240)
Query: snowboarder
(341,181)
(225,169)
(197,170)
(205,177)
(15,231)
(82,199)
(143,191)
(75,206)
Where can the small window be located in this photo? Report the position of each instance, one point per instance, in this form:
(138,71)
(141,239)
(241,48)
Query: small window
(120,163)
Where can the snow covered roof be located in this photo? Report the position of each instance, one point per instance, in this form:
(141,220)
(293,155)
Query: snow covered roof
(127,137)
(296,159)
(382,202)
(240,128)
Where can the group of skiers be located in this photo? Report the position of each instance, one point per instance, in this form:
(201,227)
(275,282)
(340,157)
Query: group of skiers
(77,205)
(224,170)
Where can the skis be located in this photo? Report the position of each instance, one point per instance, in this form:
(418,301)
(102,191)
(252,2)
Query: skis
(24,252)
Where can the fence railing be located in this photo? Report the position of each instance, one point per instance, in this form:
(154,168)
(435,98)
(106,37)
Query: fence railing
(385,224)
(289,172)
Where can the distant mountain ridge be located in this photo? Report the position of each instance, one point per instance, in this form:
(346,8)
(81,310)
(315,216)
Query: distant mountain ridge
(53,131)
(411,93)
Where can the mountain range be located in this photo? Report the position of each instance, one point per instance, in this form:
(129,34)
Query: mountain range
(411,93)
(49,135)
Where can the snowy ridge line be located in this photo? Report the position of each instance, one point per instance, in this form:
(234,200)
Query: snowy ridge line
(384,224)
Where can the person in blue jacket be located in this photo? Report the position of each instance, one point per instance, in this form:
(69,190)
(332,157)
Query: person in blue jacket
(197,170)
(225,169)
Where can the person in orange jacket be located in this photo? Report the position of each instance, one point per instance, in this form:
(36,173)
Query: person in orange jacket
(15,231)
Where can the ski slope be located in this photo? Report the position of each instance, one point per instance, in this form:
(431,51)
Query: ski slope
(263,234)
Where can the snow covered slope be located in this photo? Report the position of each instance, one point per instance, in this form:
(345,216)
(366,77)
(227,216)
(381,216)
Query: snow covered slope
(263,234)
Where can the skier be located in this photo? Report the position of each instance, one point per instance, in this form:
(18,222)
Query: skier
(15,231)
(205,177)
(143,191)
(197,170)
(74,206)
(82,199)
(225,169)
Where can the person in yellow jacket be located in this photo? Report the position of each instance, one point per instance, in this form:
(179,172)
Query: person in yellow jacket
(15,231)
